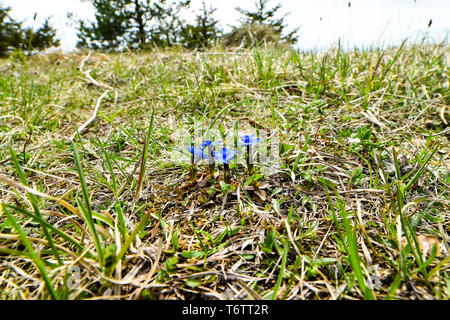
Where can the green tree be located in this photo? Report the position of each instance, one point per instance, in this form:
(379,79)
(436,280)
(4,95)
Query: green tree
(43,37)
(168,24)
(204,32)
(261,25)
(263,15)
(132,23)
(9,32)
(14,37)
(109,28)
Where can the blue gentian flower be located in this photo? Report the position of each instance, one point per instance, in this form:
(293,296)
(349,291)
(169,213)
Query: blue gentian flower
(209,143)
(248,140)
(208,146)
(198,153)
(224,155)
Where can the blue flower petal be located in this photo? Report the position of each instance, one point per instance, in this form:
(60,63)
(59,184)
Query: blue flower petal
(209,143)
(198,153)
(205,143)
(225,155)
(248,140)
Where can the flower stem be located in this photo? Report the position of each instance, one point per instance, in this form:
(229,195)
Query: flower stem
(193,172)
(226,173)
(212,163)
(249,163)
(193,166)
(212,170)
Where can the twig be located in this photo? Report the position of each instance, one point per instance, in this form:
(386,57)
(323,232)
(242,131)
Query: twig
(92,118)
(95,82)
(89,78)
(84,61)
(25,145)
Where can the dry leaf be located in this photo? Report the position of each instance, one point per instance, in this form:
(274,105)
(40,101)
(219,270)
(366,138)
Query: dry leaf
(202,182)
(418,142)
(260,196)
(192,207)
(426,245)
(442,114)
(264,185)
(260,187)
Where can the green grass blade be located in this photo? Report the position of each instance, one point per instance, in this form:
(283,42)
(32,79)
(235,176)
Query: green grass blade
(60,233)
(144,155)
(86,210)
(422,168)
(34,203)
(39,263)
(107,157)
(130,239)
(397,164)
(282,268)
(354,257)
(394,286)
(350,245)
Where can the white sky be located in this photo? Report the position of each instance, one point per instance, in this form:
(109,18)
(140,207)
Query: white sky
(321,22)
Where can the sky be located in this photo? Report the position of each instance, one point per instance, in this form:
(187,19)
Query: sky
(320,23)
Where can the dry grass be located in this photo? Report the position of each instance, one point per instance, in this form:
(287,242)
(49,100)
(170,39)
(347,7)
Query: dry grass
(333,224)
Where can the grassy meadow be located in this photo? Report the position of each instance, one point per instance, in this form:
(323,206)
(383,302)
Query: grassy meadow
(94,204)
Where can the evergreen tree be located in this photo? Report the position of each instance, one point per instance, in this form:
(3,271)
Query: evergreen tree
(43,37)
(261,25)
(203,33)
(14,36)
(109,28)
(9,32)
(168,25)
(263,15)
(131,23)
